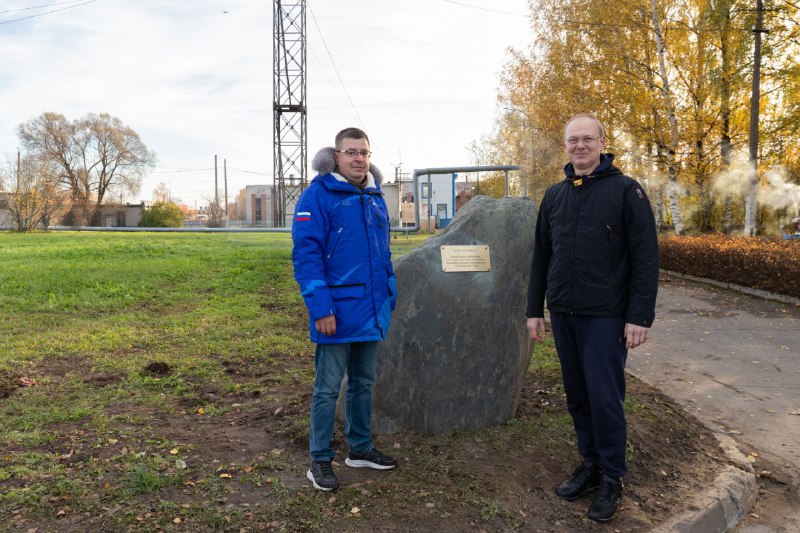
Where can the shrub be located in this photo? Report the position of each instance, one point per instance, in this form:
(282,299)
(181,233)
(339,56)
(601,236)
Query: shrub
(767,264)
(162,215)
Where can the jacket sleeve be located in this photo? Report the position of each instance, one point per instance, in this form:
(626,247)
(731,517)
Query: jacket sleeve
(542,250)
(309,233)
(643,249)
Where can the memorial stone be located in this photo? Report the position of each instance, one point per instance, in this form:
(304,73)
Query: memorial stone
(458,348)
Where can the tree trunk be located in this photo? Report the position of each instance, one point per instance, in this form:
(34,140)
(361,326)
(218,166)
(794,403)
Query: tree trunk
(672,184)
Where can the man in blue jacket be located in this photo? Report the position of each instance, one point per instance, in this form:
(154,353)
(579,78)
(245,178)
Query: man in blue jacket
(343,266)
(596,260)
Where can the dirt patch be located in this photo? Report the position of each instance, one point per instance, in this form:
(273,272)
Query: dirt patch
(157,368)
(243,460)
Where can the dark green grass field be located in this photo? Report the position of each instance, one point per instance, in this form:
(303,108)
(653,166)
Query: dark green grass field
(161,381)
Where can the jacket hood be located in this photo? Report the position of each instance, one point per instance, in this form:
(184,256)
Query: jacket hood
(324,163)
(606,168)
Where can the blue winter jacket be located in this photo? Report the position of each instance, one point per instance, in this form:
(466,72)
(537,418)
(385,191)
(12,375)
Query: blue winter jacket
(342,260)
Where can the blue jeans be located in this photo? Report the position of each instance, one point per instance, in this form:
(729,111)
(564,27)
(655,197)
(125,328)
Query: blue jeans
(359,359)
(592,353)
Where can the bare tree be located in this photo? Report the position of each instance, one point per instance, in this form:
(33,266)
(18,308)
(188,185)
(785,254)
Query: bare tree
(90,157)
(215,212)
(32,196)
(161,193)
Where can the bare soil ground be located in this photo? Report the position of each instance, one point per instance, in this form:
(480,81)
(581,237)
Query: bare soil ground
(246,464)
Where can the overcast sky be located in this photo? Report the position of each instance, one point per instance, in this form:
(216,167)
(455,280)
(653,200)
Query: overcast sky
(194,78)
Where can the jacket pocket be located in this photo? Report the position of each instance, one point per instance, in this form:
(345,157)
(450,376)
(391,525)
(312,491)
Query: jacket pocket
(335,242)
(347,291)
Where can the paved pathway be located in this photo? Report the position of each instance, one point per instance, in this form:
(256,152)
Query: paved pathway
(732,360)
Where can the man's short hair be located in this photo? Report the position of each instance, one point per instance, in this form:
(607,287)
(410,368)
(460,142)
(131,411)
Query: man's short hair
(350,133)
(600,131)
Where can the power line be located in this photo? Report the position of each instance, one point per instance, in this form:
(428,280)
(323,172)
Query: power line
(48,12)
(38,7)
(180,170)
(480,8)
(346,92)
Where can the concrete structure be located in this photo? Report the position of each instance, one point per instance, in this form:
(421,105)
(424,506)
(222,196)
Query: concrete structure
(259,206)
(125,216)
(391,194)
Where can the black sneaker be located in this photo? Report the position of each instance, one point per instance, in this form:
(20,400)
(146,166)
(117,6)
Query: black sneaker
(371,459)
(321,475)
(607,501)
(585,478)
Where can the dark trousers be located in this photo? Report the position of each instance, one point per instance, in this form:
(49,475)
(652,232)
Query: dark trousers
(592,354)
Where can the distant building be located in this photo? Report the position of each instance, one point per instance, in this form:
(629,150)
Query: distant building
(121,216)
(260,206)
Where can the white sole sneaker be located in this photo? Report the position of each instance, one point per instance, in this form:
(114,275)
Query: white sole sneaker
(360,463)
(310,477)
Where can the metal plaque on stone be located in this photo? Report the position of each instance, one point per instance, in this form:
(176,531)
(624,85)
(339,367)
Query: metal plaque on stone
(468,258)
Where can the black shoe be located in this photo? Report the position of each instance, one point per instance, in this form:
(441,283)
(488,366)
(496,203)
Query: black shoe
(584,479)
(371,459)
(321,475)
(607,501)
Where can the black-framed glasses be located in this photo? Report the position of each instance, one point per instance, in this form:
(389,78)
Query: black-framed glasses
(353,153)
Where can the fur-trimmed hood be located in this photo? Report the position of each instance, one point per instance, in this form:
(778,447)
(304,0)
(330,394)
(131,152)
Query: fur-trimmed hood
(324,163)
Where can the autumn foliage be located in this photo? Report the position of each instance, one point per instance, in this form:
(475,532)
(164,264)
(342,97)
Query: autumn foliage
(767,264)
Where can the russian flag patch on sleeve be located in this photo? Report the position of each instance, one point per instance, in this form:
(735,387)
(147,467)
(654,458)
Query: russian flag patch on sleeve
(302,216)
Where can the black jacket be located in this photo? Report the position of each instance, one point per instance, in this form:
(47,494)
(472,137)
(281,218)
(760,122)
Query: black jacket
(595,250)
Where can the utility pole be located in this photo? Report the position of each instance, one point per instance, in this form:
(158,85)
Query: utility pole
(225,173)
(751,203)
(216,187)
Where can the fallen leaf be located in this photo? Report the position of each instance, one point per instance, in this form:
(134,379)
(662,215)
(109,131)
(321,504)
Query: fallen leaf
(174,451)
(226,476)
(430,505)
(200,411)
(795,412)
(355,510)
(276,451)
(180,464)
(396,445)
(27,382)
(177,520)
(112,441)
(248,469)
(770,411)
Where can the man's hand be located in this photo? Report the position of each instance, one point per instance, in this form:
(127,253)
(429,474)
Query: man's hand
(326,325)
(536,328)
(635,335)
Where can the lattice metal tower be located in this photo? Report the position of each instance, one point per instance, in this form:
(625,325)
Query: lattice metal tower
(289,106)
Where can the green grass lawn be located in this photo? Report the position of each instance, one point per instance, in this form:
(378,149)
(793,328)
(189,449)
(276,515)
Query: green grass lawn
(84,317)
(161,381)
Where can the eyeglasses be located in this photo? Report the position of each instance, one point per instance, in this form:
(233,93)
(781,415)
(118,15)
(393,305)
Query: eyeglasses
(573,141)
(352,153)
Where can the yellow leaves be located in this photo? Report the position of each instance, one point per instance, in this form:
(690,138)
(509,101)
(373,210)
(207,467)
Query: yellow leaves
(225,475)
(174,451)
(752,456)
(201,411)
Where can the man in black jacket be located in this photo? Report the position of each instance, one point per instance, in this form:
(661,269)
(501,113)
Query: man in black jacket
(596,260)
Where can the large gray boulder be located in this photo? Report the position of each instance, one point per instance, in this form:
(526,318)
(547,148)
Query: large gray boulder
(458,347)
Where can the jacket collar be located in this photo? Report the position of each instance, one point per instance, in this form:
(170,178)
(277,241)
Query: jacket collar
(606,168)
